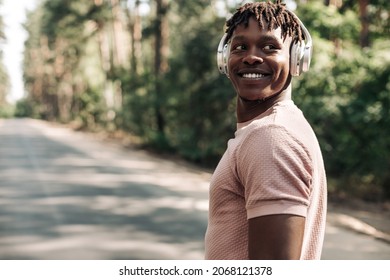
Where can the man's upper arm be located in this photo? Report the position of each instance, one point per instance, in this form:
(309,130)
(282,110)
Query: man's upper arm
(276,237)
(276,172)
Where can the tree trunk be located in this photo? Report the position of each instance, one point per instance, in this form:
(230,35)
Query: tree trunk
(64,78)
(120,40)
(113,53)
(161,59)
(135,30)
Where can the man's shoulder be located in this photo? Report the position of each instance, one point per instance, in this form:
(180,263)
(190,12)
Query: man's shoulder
(285,126)
(286,118)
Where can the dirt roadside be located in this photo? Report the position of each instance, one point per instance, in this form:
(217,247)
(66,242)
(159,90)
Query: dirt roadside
(371,219)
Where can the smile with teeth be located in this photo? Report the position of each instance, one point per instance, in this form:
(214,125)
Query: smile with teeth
(253,75)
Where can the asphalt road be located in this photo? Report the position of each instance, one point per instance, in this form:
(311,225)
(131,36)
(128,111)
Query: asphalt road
(70,195)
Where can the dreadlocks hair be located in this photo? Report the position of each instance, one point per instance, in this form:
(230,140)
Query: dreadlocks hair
(275,14)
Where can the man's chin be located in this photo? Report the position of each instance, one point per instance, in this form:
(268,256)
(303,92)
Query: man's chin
(254,98)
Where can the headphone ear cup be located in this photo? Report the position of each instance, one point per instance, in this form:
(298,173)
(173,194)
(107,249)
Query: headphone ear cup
(297,54)
(222,54)
(306,58)
(226,53)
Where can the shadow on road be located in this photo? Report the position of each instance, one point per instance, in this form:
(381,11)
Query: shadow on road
(67,195)
(59,202)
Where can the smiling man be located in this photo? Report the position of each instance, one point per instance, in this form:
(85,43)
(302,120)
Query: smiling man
(268,193)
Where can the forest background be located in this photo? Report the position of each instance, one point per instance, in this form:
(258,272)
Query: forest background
(147,68)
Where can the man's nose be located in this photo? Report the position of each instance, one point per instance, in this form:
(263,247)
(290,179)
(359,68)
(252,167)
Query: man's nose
(253,56)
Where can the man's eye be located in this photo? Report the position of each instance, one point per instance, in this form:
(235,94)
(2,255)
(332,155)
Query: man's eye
(269,47)
(240,47)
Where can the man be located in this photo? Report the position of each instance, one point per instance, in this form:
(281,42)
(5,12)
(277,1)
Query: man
(268,193)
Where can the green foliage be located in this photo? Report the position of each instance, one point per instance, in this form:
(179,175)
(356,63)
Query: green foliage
(328,23)
(4,79)
(346,97)
(90,113)
(137,114)
(6,111)
(62,61)
(197,88)
(4,82)
(378,16)
(26,109)
(364,151)
(193,96)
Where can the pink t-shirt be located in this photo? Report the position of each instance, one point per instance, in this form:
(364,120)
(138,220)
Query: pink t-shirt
(272,166)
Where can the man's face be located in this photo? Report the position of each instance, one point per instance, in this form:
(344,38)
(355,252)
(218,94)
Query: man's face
(259,61)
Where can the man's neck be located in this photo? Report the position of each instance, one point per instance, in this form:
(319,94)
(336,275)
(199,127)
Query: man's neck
(248,109)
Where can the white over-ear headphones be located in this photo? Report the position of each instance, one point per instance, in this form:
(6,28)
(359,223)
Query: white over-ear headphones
(300,54)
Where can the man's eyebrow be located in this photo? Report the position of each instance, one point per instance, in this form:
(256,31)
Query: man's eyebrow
(238,37)
(268,37)
(265,37)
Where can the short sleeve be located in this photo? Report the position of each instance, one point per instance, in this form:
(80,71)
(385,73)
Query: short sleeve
(275,170)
